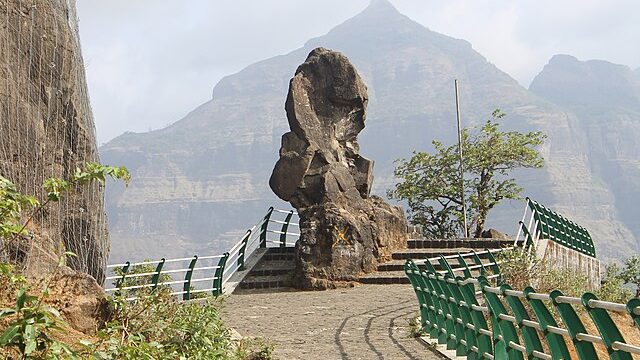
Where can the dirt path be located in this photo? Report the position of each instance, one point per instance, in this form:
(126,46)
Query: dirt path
(366,322)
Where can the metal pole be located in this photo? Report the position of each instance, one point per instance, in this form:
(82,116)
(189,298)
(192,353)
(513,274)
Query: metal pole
(464,204)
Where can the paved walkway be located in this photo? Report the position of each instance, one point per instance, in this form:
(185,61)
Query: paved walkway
(367,322)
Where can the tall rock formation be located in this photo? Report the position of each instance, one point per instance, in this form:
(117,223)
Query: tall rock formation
(46,129)
(344,231)
(198,183)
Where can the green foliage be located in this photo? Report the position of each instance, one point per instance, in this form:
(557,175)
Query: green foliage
(154,326)
(415,328)
(140,280)
(630,273)
(616,281)
(29,331)
(431,183)
(30,322)
(14,206)
(520,269)
(612,288)
(158,327)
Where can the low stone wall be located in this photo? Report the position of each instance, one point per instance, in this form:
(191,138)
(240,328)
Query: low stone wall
(564,257)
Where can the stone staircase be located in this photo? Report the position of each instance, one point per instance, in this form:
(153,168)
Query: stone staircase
(274,271)
(391,272)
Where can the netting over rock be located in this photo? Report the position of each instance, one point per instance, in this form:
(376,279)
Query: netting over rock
(47,129)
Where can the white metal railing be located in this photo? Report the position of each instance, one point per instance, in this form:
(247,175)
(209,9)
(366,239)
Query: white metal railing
(203,274)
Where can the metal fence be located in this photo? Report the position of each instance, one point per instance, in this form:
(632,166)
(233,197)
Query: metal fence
(191,277)
(480,320)
(540,222)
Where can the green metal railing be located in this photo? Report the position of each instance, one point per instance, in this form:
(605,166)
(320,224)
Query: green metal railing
(484,320)
(547,224)
(203,274)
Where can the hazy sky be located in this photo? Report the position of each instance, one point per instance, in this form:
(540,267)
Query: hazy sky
(150,62)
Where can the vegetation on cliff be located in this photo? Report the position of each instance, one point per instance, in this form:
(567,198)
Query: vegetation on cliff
(155,326)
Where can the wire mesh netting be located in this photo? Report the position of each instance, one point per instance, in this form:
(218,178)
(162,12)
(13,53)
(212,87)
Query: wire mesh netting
(47,130)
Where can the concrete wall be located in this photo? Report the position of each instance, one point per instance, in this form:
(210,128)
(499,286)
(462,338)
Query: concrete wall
(564,257)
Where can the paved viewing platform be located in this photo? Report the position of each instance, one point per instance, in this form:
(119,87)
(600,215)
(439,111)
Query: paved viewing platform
(365,322)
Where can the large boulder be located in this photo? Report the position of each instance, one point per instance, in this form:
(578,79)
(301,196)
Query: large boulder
(81,301)
(344,230)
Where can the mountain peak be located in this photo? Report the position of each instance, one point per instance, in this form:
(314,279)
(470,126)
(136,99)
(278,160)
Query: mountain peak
(381,6)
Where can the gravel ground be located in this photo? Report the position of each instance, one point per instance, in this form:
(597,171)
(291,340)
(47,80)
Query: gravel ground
(365,322)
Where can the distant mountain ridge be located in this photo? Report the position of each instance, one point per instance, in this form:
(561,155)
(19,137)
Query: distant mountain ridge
(199,182)
(606,100)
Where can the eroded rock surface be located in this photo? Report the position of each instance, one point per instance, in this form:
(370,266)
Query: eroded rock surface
(344,230)
(81,301)
(47,130)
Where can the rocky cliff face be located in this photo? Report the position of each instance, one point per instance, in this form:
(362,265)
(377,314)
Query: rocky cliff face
(208,173)
(344,231)
(605,99)
(46,129)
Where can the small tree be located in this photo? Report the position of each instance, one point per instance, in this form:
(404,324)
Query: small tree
(430,183)
(630,273)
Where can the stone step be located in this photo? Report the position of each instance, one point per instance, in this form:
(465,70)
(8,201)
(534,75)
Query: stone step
(275,264)
(385,278)
(398,265)
(266,282)
(478,244)
(273,267)
(281,250)
(426,253)
(278,256)
(271,272)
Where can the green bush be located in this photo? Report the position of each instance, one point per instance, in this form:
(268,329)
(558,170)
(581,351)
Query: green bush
(155,326)
(520,269)
(612,288)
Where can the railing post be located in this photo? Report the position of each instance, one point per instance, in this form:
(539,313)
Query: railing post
(570,318)
(120,282)
(500,326)
(445,265)
(264,227)
(529,335)
(410,270)
(186,287)
(242,250)
(454,310)
(478,261)
(463,263)
(494,268)
(285,226)
(156,277)
(556,342)
(483,341)
(606,327)
(631,306)
(219,275)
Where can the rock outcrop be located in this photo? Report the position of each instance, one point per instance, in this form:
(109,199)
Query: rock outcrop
(344,230)
(81,301)
(47,130)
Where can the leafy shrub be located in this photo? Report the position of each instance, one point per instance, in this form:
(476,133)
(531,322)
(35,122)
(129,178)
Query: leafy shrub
(155,326)
(612,288)
(30,322)
(520,269)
